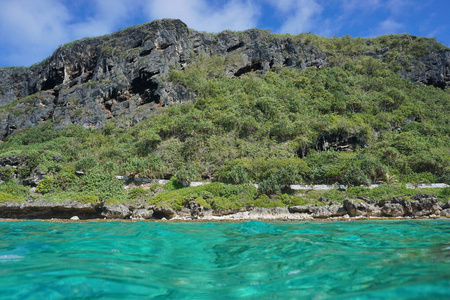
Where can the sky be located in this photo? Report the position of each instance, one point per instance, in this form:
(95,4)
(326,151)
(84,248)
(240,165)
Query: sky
(31,30)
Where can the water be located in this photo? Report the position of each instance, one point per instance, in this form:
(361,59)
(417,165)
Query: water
(251,260)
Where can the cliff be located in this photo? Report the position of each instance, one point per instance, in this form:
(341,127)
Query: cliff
(125,75)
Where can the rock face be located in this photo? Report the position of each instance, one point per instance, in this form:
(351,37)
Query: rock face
(125,74)
(42,209)
(22,169)
(419,207)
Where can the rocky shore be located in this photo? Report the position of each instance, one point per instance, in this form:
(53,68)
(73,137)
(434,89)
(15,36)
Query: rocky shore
(418,206)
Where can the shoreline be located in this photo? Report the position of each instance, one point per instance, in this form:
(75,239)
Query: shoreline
(421,206)
(218,220)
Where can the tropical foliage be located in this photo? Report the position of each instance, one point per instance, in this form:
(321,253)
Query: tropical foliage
(354,123)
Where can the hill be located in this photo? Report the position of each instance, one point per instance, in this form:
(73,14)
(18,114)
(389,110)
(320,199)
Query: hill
(161,100)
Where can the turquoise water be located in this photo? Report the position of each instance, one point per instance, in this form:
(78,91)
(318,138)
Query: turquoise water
(252,260)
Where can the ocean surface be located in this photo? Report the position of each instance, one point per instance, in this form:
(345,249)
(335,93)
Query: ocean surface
(405,259)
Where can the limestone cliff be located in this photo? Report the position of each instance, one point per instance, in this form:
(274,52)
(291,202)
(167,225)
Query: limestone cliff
(124,75)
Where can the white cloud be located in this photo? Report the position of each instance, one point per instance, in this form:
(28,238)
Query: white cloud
(108,15)
(299,15)
(366,5)
(202,15)
(399,7)
(389,26)
(31,30)
(32,22)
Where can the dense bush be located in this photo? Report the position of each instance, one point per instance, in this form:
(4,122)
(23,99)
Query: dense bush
(355,122)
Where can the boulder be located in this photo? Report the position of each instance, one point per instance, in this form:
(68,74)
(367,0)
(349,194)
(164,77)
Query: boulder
(198,211)
(409,207)
(393,210)
(429,206)
(303,209)
(160,212)
(445,205)
(115,211)
(142,213)
(329,211)
(361,209)
(445,212)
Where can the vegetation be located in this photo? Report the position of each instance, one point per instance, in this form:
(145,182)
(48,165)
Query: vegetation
(354,123)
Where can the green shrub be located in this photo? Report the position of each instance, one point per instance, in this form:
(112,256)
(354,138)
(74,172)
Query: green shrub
(111,201)
(14,188)
(45,186)
(6,173)
(266,202)
(103,185)
(66,180)
(231,202)
(292,200)
(86,199)
(5,197)
(173,184)
(86,164)
(137,193)
(202,202)
(445,193)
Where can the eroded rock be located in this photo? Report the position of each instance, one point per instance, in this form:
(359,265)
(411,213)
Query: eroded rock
(393,210)
(142,213)
(160,212)
(361,209)
(115,211)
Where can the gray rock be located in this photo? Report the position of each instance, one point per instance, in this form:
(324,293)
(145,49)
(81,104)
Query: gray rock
(75,218)
(361,209)
(163,212)
(445,205)
(35,177)
(268,213)
(408,207)
(42,209)
(308,209)
(445,212)
(115,211)
(428,205)
(393,210)
(198,211)
(185,212)
(330,211)
(142,213)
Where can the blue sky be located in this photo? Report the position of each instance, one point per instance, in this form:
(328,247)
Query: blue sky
(30,30)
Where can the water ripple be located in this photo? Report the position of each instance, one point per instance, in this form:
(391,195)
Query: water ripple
(289,260)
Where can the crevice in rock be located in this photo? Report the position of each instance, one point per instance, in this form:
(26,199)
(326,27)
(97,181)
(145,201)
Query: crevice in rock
(249,68)
(288,62)
(145,85)
(438,84)
(163,46)
(240,45)
(339,142)
(138,44)
(271,63)
(55,100)
(145,52)
(55,78)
